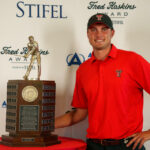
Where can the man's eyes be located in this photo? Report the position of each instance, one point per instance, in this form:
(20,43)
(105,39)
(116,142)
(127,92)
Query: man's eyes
(102,29)
(105,28)
(93,29)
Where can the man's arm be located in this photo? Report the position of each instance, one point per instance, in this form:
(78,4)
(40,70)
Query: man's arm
(71,118)
(139,138)
(142,76)
(31,49)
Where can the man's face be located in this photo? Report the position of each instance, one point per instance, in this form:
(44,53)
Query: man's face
(100,36)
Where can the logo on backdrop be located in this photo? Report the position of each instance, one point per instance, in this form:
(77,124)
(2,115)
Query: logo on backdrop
(76,59)
(34,10)
(90,54)
(16,59)
(4,104)
(118,11)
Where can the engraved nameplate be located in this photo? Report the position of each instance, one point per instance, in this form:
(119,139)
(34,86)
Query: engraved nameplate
(27,139)
(29,118)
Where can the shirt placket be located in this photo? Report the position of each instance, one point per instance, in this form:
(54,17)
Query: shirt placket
(100,78)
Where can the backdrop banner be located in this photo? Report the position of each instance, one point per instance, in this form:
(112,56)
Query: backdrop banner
(60,28)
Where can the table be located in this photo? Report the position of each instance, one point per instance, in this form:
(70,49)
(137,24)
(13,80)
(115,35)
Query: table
(66,144)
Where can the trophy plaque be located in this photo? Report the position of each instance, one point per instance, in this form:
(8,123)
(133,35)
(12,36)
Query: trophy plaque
(30,113)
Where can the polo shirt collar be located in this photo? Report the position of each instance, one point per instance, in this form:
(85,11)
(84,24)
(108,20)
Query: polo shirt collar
(112,53)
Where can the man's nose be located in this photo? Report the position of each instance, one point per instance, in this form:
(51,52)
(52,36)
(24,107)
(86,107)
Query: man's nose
(99,33)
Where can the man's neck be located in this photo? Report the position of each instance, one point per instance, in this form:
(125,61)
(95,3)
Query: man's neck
(102,54)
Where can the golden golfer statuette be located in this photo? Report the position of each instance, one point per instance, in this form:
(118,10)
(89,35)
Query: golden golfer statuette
(30,110)
(33,50)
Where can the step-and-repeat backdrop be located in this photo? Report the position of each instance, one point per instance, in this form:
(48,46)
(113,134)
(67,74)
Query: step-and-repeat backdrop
(60,28)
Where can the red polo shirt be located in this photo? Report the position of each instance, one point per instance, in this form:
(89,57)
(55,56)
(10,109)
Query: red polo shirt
(112,91)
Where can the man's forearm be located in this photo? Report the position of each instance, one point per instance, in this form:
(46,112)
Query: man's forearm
(64,120)
(70,118)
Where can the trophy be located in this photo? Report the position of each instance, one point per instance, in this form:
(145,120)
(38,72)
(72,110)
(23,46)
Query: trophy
(30,110)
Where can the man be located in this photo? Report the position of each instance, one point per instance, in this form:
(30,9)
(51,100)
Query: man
(33,50)
(109,89)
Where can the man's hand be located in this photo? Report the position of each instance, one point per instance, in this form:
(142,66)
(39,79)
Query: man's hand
(139,138)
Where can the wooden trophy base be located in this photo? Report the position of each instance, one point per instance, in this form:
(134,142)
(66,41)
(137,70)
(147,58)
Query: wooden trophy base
(30,114)
(29,141)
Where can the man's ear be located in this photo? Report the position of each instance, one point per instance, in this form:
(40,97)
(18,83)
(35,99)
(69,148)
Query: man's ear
(113,32)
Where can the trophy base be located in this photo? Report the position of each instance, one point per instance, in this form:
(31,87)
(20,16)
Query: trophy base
(29,141)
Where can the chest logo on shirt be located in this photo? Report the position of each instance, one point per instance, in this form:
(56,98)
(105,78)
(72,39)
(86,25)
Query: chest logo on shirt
(118,73)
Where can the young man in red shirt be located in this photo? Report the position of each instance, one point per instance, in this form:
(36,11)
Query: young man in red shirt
(109,89)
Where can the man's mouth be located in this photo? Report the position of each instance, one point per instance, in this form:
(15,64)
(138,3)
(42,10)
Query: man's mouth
(99,41)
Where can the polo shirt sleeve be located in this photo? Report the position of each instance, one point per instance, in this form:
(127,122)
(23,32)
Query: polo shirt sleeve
(142,73)
(79,98)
